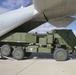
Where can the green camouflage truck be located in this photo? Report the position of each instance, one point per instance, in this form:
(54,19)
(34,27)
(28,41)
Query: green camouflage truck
(61,43)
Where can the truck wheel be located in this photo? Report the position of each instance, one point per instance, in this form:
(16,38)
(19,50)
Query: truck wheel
(18,54)
(28,54)
(6,50)
(60,55)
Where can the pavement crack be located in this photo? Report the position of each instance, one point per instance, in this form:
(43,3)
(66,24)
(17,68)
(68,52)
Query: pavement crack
(26,67)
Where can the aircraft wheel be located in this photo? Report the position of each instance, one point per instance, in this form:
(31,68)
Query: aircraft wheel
(60,55)
(6,50)
(18,54)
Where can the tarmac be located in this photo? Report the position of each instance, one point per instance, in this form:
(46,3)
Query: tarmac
(38,64)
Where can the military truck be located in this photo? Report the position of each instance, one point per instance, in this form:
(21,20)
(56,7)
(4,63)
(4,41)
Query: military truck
(61,43)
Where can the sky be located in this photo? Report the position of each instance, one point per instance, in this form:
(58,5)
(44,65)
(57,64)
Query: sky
(8,5)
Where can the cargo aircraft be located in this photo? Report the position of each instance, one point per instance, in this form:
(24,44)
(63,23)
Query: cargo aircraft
(24,19)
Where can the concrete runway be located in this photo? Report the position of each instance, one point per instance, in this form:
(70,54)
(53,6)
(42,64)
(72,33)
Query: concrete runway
(38,64)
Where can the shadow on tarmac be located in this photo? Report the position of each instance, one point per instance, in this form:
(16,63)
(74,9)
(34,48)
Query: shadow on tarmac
(48,56)
(73,56)
(41,56)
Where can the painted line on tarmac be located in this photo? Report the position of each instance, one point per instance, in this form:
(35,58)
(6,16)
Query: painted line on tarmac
(26,67)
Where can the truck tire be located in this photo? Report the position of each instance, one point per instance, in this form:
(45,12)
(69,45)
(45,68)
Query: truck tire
(60,55)
(28,54)
(6,50)
(18,54)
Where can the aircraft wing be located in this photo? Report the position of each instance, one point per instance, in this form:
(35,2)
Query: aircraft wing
(57,12)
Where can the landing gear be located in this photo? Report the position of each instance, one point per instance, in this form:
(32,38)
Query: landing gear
(6,50)
(18,53)
(60,55)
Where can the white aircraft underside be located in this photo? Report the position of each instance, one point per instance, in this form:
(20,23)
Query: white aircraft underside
(56,12)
